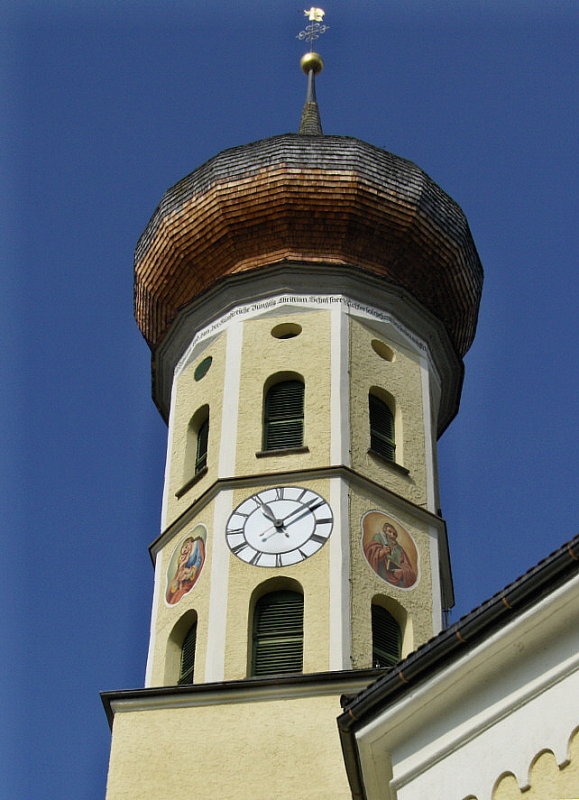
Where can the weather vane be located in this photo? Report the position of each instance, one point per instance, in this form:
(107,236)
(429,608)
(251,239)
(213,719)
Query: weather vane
(316,27)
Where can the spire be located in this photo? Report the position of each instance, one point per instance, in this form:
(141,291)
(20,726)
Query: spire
(312,63)
(311,124)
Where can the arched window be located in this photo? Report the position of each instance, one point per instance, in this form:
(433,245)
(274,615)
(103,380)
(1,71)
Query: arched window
(386,638)
(197,443)
(278,633)
(382,439)
(284,415)
(188,656)
(201,448)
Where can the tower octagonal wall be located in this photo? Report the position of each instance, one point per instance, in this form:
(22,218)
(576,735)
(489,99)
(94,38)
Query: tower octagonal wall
(331,199)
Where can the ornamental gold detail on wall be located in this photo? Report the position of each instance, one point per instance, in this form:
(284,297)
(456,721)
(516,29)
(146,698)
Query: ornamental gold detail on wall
(186,564)
(389,549)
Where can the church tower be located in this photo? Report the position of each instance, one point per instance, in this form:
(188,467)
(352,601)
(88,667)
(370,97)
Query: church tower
(308,300)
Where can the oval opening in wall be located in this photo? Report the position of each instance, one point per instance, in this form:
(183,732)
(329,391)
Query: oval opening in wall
(287,330)
(202,368)
(381,349)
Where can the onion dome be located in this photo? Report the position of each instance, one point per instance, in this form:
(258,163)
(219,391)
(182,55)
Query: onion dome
(331,200)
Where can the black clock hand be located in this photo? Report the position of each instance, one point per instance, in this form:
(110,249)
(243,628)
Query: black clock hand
(267,511)
(305,509)
(281,529)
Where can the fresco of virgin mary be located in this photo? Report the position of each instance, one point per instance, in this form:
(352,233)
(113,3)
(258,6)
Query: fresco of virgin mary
(185,565)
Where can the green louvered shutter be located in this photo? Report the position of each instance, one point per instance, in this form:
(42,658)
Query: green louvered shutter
(381,428)
(385,638)
(284,416)
(201,450)
(188,655)
(278,633)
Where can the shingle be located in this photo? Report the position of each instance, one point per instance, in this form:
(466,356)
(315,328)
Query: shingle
(327,199)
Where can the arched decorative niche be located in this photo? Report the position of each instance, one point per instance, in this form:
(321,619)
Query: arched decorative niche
(573,747)
(506,787)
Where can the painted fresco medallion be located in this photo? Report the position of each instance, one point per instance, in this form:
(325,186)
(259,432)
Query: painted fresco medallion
(186,564)
(389,549)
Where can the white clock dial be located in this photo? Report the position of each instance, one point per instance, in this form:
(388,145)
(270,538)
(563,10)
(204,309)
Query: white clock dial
(279,527)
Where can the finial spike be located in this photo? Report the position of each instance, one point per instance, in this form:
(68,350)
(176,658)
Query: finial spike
(312,63)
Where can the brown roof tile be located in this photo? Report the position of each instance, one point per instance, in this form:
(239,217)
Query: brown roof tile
(326,199)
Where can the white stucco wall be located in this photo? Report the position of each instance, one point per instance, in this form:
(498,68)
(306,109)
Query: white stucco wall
(489,713)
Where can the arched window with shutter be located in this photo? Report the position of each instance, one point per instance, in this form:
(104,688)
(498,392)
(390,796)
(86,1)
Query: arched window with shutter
(188,656)
(284,415)
(278,633)
(197,444)
(201,446)
(386,638)
(382,434)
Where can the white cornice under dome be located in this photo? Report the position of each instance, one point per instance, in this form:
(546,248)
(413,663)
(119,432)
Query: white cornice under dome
(311,287)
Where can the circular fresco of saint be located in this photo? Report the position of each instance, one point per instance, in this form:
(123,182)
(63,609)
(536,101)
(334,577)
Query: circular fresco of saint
(389,549)
(185,565)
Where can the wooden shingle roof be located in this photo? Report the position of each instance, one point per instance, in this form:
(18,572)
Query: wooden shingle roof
(320,199)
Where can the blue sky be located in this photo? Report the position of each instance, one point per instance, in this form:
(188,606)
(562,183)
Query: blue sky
(110,103)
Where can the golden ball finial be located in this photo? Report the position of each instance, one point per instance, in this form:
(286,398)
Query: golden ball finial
(312,62)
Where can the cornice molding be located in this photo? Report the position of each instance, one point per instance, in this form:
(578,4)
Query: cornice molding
(356,286)
(258,480)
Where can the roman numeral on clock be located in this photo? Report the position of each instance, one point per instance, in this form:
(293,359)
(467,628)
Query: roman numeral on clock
(292,519)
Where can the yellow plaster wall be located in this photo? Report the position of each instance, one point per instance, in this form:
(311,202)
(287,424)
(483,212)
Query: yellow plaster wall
(546,781)
(307,354)
(365,583)
(401,378)
(313,576)
(189,396)
(197,599)
(283,749)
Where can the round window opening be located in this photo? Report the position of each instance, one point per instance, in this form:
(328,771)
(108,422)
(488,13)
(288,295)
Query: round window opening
(202,368)
(287,330)
(382,350)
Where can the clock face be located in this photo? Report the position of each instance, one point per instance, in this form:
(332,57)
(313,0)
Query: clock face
(278,527)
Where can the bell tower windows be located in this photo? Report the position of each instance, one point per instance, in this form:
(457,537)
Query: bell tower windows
(201,448)
(180,652)
(188,656)
(283,415)
(382,434)
(386,638)
(278,633)
(197,443)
